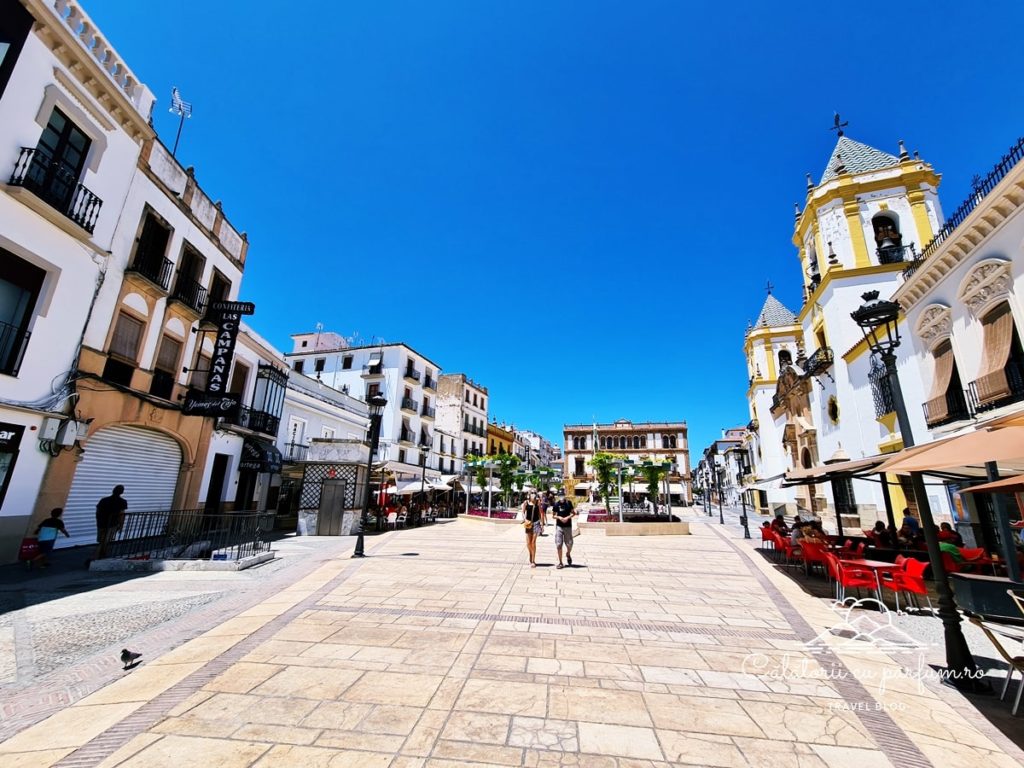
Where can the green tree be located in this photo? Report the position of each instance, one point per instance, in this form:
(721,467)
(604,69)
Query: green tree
(604,472)
(475,462)
(506,471)
(653,473)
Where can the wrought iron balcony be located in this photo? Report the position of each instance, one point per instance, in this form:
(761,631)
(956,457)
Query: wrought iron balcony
(429,383)
(189,293)
(947,408)
(1012,392)
(257,421)
(752,425)
(154,267)
(896,254)
(819,362)
(408,404)
(57,185)
(412,373)
(406,436)
(295,451)
(373,370)
(426,442)
(427,412)
(13,342)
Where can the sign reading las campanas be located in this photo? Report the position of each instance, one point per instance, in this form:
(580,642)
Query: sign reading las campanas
(228,317)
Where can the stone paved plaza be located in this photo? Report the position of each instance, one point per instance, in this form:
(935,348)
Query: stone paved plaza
(444,648)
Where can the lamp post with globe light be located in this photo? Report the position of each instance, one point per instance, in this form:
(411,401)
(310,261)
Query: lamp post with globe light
(879,321)
(376,406)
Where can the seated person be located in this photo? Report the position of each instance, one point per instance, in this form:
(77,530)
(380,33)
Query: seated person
(779,525)
(796,537)
(946,533)
(910,520)
(952,550)
(881,535)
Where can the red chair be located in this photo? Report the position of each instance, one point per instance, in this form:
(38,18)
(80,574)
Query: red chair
(951,565)
(909,580)
(860,550)
(767,538)
(813,554)
(857,578)
(783,545)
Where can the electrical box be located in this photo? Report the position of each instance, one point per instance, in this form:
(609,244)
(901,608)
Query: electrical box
(50,428)
(67,433)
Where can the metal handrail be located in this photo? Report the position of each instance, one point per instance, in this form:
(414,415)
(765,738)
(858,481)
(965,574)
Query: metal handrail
(154,267)
(412,373)
(409,404)
(189,292)
(192,534)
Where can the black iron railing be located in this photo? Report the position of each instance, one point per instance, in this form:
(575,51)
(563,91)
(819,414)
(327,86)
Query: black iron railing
(189,292)
(981,189)
(429,383)
(820,361)
(406,436)
(947,408)
(154,267)
(428,412)
(257,421)
(408,404)
(57,185)
(896,254)
(881,391)
(1014,371)
(295,451)
(373,370)
(412,373)
(192,534)
(13,343)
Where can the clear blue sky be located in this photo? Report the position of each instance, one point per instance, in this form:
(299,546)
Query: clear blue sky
(577,204)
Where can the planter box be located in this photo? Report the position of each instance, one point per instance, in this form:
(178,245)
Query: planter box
(640,529)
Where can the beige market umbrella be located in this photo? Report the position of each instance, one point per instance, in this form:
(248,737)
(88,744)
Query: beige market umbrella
(974,449)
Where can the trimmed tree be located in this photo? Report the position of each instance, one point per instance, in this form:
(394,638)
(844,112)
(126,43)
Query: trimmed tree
(604,473)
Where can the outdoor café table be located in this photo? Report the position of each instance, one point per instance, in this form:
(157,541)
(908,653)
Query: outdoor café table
(877,567)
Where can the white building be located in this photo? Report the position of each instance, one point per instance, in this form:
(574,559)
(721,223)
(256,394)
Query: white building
(73,121)
(541,449)
(462,412)
(407,379)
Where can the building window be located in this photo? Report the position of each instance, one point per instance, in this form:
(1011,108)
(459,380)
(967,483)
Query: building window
(165,368)
(124,349)
(467,396)
(319,364)
(579,467)
(200,372)
(401,455)
(20,284)
(57,163)
(483,403)
(372,390)
(220,287)
(239,378)
(298,366)
(1001,378)
(150,258)
(305,343)
(785,358)
(346,363)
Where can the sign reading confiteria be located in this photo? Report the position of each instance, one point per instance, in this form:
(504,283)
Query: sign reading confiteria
(227,315)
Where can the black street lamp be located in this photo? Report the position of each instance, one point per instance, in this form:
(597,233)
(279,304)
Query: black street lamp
(719,471)
(879,321)
(376,403)
(744,470)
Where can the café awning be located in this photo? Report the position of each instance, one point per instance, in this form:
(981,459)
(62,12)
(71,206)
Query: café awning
(826,472)
(1013,484)
(965,454)
(259,456)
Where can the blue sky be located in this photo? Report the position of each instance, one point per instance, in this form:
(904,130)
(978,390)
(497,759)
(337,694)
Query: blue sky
(577,204)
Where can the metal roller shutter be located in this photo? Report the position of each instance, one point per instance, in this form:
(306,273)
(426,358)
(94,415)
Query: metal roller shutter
(145,462)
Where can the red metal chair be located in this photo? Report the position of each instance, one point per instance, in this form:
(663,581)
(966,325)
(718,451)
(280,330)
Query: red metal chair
(910,581)
(813,554)
(767,537)
(951,565)
(783,545)
(857,578)
(860,550)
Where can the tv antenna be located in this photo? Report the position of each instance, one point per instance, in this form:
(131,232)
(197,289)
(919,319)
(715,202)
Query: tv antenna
(181,108)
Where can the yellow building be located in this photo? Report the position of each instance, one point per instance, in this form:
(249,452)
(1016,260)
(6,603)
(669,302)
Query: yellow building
(499,439)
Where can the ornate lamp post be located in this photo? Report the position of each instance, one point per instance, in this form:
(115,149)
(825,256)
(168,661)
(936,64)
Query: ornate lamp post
(376,403)
(879,321)
(719,471)
(744,470)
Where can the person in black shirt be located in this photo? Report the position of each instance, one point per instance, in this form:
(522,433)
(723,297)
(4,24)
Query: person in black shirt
(531,523)
(109,519)
(564,514)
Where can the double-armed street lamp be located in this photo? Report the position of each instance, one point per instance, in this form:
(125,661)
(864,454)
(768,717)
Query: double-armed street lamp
(879,321)
(376,405)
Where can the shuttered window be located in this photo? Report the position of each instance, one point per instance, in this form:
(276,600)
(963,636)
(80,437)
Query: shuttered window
(168,355)
(938,406)
(127,337)
(201,372)
(992,382)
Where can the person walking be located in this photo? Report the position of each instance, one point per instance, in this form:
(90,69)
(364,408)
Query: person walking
(109,519)
(531,524)
(46,533)
(564,513)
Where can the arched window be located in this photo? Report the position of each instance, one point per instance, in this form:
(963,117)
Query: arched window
(636,441)
(643,441)
(672,441)
(887,237)
(785,358)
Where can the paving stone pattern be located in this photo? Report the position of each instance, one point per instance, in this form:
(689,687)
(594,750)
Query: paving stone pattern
(444,648)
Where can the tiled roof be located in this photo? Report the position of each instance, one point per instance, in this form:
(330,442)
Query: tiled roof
(857,157)
(774,314)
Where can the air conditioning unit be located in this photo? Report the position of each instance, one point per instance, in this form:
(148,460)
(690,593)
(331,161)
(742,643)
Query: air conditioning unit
(67,434)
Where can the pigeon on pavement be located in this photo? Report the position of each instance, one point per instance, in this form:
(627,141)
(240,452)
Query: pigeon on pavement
(129,657)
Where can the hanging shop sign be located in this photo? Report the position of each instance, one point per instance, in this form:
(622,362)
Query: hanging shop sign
(227,316)
(198,403)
